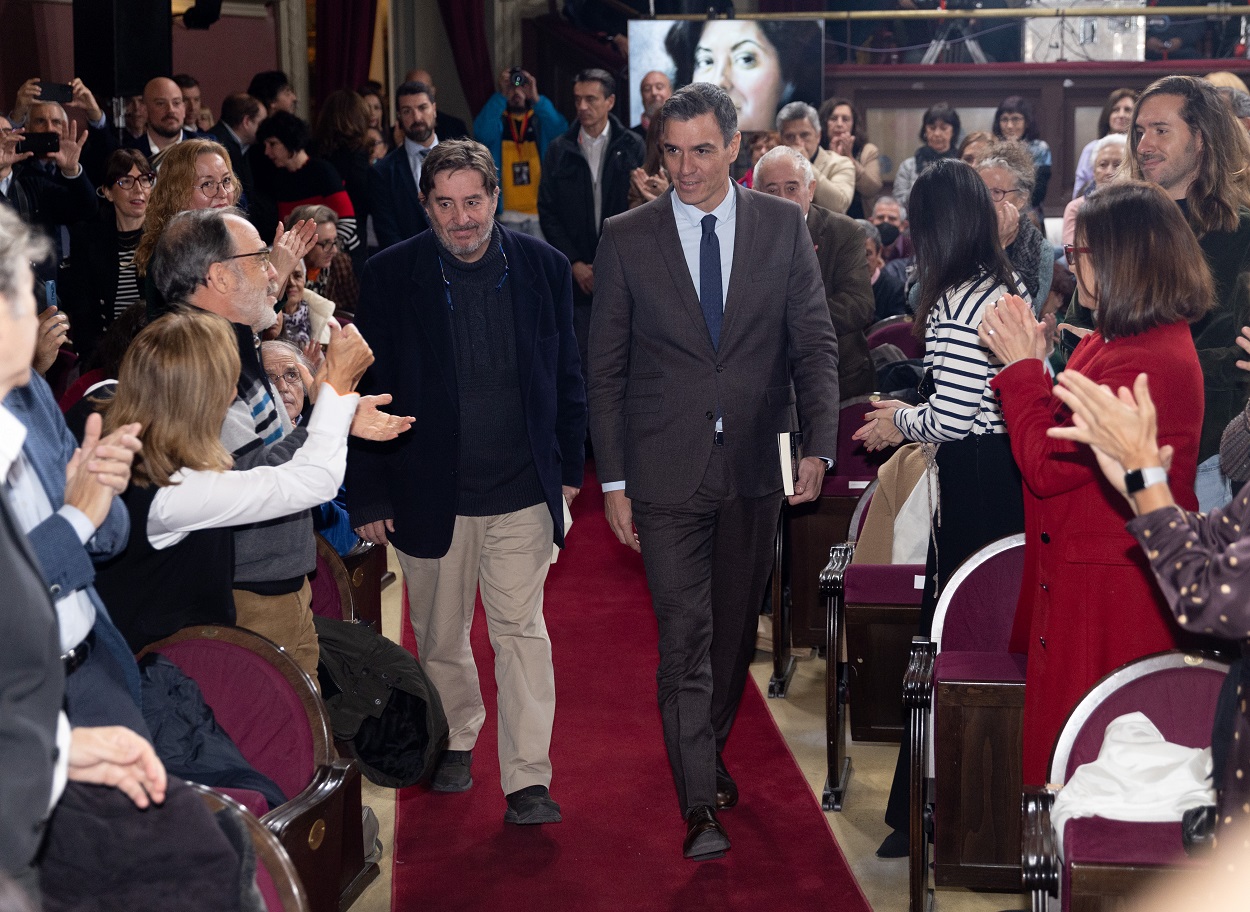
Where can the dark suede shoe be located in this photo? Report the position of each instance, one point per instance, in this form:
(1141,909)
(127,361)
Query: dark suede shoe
(531,805)
(706,839)
(726,788)
(896,845)
(453,773)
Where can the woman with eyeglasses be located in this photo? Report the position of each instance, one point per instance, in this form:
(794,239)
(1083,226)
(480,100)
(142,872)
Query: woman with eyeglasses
(101,281)
(196,174)
(329,267)
(1008,172)
(1014,121)
(1088,602)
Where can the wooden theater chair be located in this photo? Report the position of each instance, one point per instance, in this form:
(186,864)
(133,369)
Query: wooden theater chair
(276,878)
(805,535)
(269,707)
(896,331)
(964,693)
(873,610)
(1105,860)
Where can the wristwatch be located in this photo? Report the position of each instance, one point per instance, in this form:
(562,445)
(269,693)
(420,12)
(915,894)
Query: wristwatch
(1140,479)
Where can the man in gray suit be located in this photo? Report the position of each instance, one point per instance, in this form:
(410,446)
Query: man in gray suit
(695,362)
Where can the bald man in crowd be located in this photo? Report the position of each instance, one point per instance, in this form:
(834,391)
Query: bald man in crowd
(166,111)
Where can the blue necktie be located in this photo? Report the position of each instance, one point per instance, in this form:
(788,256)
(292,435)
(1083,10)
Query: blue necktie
(709,280)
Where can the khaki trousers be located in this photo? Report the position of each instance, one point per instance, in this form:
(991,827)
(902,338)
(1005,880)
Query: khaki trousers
(285,619)
(507,557)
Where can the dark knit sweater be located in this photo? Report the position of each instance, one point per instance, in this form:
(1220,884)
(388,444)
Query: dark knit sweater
(1225,386)
(496,471)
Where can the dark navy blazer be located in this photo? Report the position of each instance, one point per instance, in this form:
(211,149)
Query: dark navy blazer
(404,316)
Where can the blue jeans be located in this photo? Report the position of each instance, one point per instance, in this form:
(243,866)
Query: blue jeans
(1212,488)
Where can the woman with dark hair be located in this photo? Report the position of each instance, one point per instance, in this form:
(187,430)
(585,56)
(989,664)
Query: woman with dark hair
(101,280)
(845,134)
(1088,603)
(939,131)
(1116,117)
(962,270)
(744,57)
(298,178)
(1014,122)
(341,137)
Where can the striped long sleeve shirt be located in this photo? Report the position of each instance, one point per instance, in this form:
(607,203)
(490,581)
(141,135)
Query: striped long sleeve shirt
(962,402)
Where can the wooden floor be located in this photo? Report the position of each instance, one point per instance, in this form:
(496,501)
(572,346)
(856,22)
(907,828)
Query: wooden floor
(859,827)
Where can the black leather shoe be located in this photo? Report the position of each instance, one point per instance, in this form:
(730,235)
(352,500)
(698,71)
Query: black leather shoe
(726,788)
(705,837)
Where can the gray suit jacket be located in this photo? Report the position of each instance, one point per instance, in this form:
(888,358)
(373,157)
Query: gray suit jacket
(655,381)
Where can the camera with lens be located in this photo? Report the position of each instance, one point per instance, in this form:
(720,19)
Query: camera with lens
(517,76)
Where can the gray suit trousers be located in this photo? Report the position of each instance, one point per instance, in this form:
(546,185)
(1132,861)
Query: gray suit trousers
(707,563)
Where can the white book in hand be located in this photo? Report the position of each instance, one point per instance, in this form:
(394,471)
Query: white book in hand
(790,452)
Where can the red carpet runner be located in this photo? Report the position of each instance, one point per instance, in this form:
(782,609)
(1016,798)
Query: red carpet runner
(619,847)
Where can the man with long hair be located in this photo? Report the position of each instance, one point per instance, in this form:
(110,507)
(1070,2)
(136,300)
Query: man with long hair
(1185,139)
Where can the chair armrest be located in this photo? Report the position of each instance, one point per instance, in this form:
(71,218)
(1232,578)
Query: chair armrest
(839,559)
(918,679)
(1039,858)
(311,826)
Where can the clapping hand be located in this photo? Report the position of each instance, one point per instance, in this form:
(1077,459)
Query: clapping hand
(1010,332)
(289,247)
(1121,428)
(879,430)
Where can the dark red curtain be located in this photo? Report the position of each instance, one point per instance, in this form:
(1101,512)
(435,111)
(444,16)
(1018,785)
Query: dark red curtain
(465,21)
(344,45)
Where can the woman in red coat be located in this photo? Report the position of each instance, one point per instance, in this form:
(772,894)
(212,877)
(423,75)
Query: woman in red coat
(1088,601)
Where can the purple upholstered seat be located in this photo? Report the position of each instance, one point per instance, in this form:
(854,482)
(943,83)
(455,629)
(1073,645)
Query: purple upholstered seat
(255,705)
(1180,701)
(896,331)
(253,801)
(883,584)
(982,607)
(974,667)
(326,601)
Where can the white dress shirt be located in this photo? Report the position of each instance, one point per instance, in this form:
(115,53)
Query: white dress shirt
(208,500)
(74,612)
(415,159)
(594,148)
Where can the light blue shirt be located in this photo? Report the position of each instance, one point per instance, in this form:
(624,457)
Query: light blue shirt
(690,232)
(415,158)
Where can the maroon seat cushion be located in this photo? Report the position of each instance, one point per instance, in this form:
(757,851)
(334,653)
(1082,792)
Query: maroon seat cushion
(900,334)
(1096,840)
(325,591)
(989,667)
(255,705)
(883,584)
(253,801)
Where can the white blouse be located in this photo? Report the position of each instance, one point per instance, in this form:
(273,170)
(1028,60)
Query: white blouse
(200,499)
